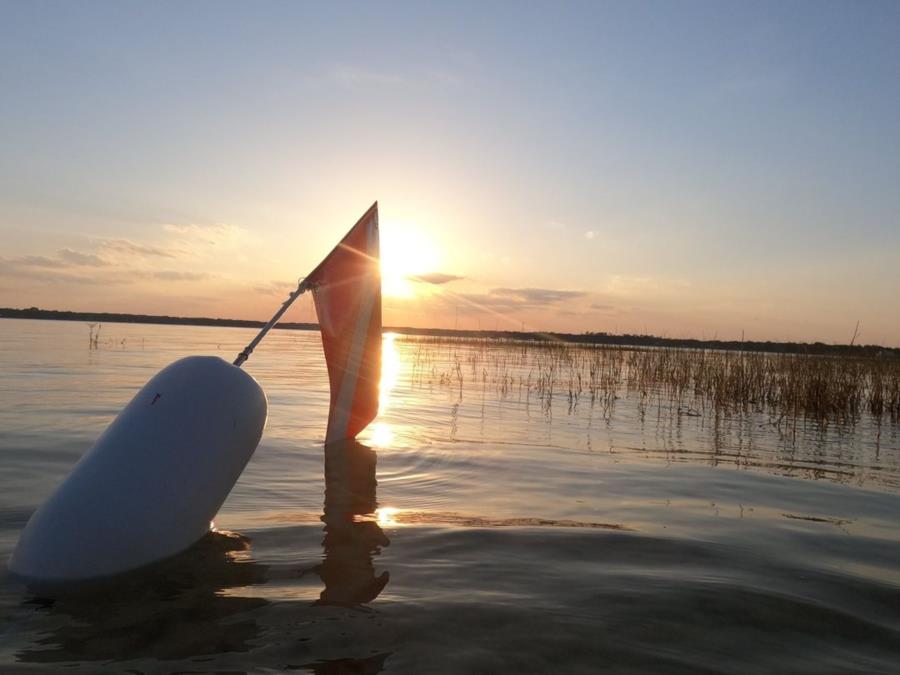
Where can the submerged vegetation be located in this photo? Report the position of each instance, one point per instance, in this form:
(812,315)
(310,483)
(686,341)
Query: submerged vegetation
(787,387)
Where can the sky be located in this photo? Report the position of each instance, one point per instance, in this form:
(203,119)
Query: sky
(686,169)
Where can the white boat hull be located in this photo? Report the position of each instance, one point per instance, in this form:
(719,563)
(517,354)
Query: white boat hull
(151,485)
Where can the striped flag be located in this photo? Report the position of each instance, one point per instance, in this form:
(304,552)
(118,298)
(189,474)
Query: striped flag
(346,289)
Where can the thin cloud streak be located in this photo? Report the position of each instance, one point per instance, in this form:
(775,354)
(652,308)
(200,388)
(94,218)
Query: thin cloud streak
(435,278)
(131,248)
(536,296)
(81,259)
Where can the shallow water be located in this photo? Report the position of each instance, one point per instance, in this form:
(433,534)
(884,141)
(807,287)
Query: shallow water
(470,530)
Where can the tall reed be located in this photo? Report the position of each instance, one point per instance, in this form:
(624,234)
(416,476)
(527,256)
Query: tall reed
(786,386)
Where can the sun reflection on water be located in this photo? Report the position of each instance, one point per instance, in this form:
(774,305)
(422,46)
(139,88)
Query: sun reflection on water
(386,516)
(380,434)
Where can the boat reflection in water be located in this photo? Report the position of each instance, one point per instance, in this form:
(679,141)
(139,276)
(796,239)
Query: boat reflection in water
(203,603)
(169,611)
(352,534)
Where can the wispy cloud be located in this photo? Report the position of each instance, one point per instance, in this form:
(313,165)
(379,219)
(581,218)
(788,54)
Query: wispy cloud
(31,261)
(211,235)
(45,271)
(127,247)
(275,287)
(64,258)
(437,278)
(507,300)
(536,296)
(172,254)
(81,259)
(176,275)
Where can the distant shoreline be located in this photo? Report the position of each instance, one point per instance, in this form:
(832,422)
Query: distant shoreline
(818,348)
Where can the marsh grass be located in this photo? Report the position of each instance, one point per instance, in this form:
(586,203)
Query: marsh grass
(95,343)
(787,387)
(94,335)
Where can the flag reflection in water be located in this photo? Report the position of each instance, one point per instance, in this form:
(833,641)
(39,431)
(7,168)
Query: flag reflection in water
(352,534)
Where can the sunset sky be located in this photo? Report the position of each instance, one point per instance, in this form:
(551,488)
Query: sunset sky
(676,168)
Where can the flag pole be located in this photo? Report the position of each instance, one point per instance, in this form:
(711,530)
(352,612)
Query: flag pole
(302,287)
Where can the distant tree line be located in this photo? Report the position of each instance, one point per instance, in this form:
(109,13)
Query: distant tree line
(594,338)
(112,317)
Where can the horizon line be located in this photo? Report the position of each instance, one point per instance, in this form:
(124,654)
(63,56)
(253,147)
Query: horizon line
(586,337)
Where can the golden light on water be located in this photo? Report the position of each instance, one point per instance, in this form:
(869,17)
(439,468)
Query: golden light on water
(387,516)
(406,251)
(380,433)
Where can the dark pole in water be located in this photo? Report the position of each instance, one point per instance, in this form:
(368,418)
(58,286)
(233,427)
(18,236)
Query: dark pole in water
(244,355)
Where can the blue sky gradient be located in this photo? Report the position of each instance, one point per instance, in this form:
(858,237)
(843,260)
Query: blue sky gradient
(691,168)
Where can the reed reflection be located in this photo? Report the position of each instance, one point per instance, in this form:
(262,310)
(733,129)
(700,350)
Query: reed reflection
(352,534)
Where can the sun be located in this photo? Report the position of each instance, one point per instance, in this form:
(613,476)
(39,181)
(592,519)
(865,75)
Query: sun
(406,251)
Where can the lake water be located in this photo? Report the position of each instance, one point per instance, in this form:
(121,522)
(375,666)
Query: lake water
(476,528)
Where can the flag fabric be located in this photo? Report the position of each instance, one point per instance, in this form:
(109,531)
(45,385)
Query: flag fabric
(346,289)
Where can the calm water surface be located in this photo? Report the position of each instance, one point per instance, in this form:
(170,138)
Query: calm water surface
(470,530)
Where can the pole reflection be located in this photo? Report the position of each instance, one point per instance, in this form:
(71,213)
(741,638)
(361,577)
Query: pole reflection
(353,536)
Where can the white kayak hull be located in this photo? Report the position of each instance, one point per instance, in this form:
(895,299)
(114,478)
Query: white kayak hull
(151,485)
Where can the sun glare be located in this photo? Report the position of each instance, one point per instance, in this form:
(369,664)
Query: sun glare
(406,251)
(387,516)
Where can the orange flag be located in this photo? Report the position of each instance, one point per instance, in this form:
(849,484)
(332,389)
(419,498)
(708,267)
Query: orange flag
(346,288)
